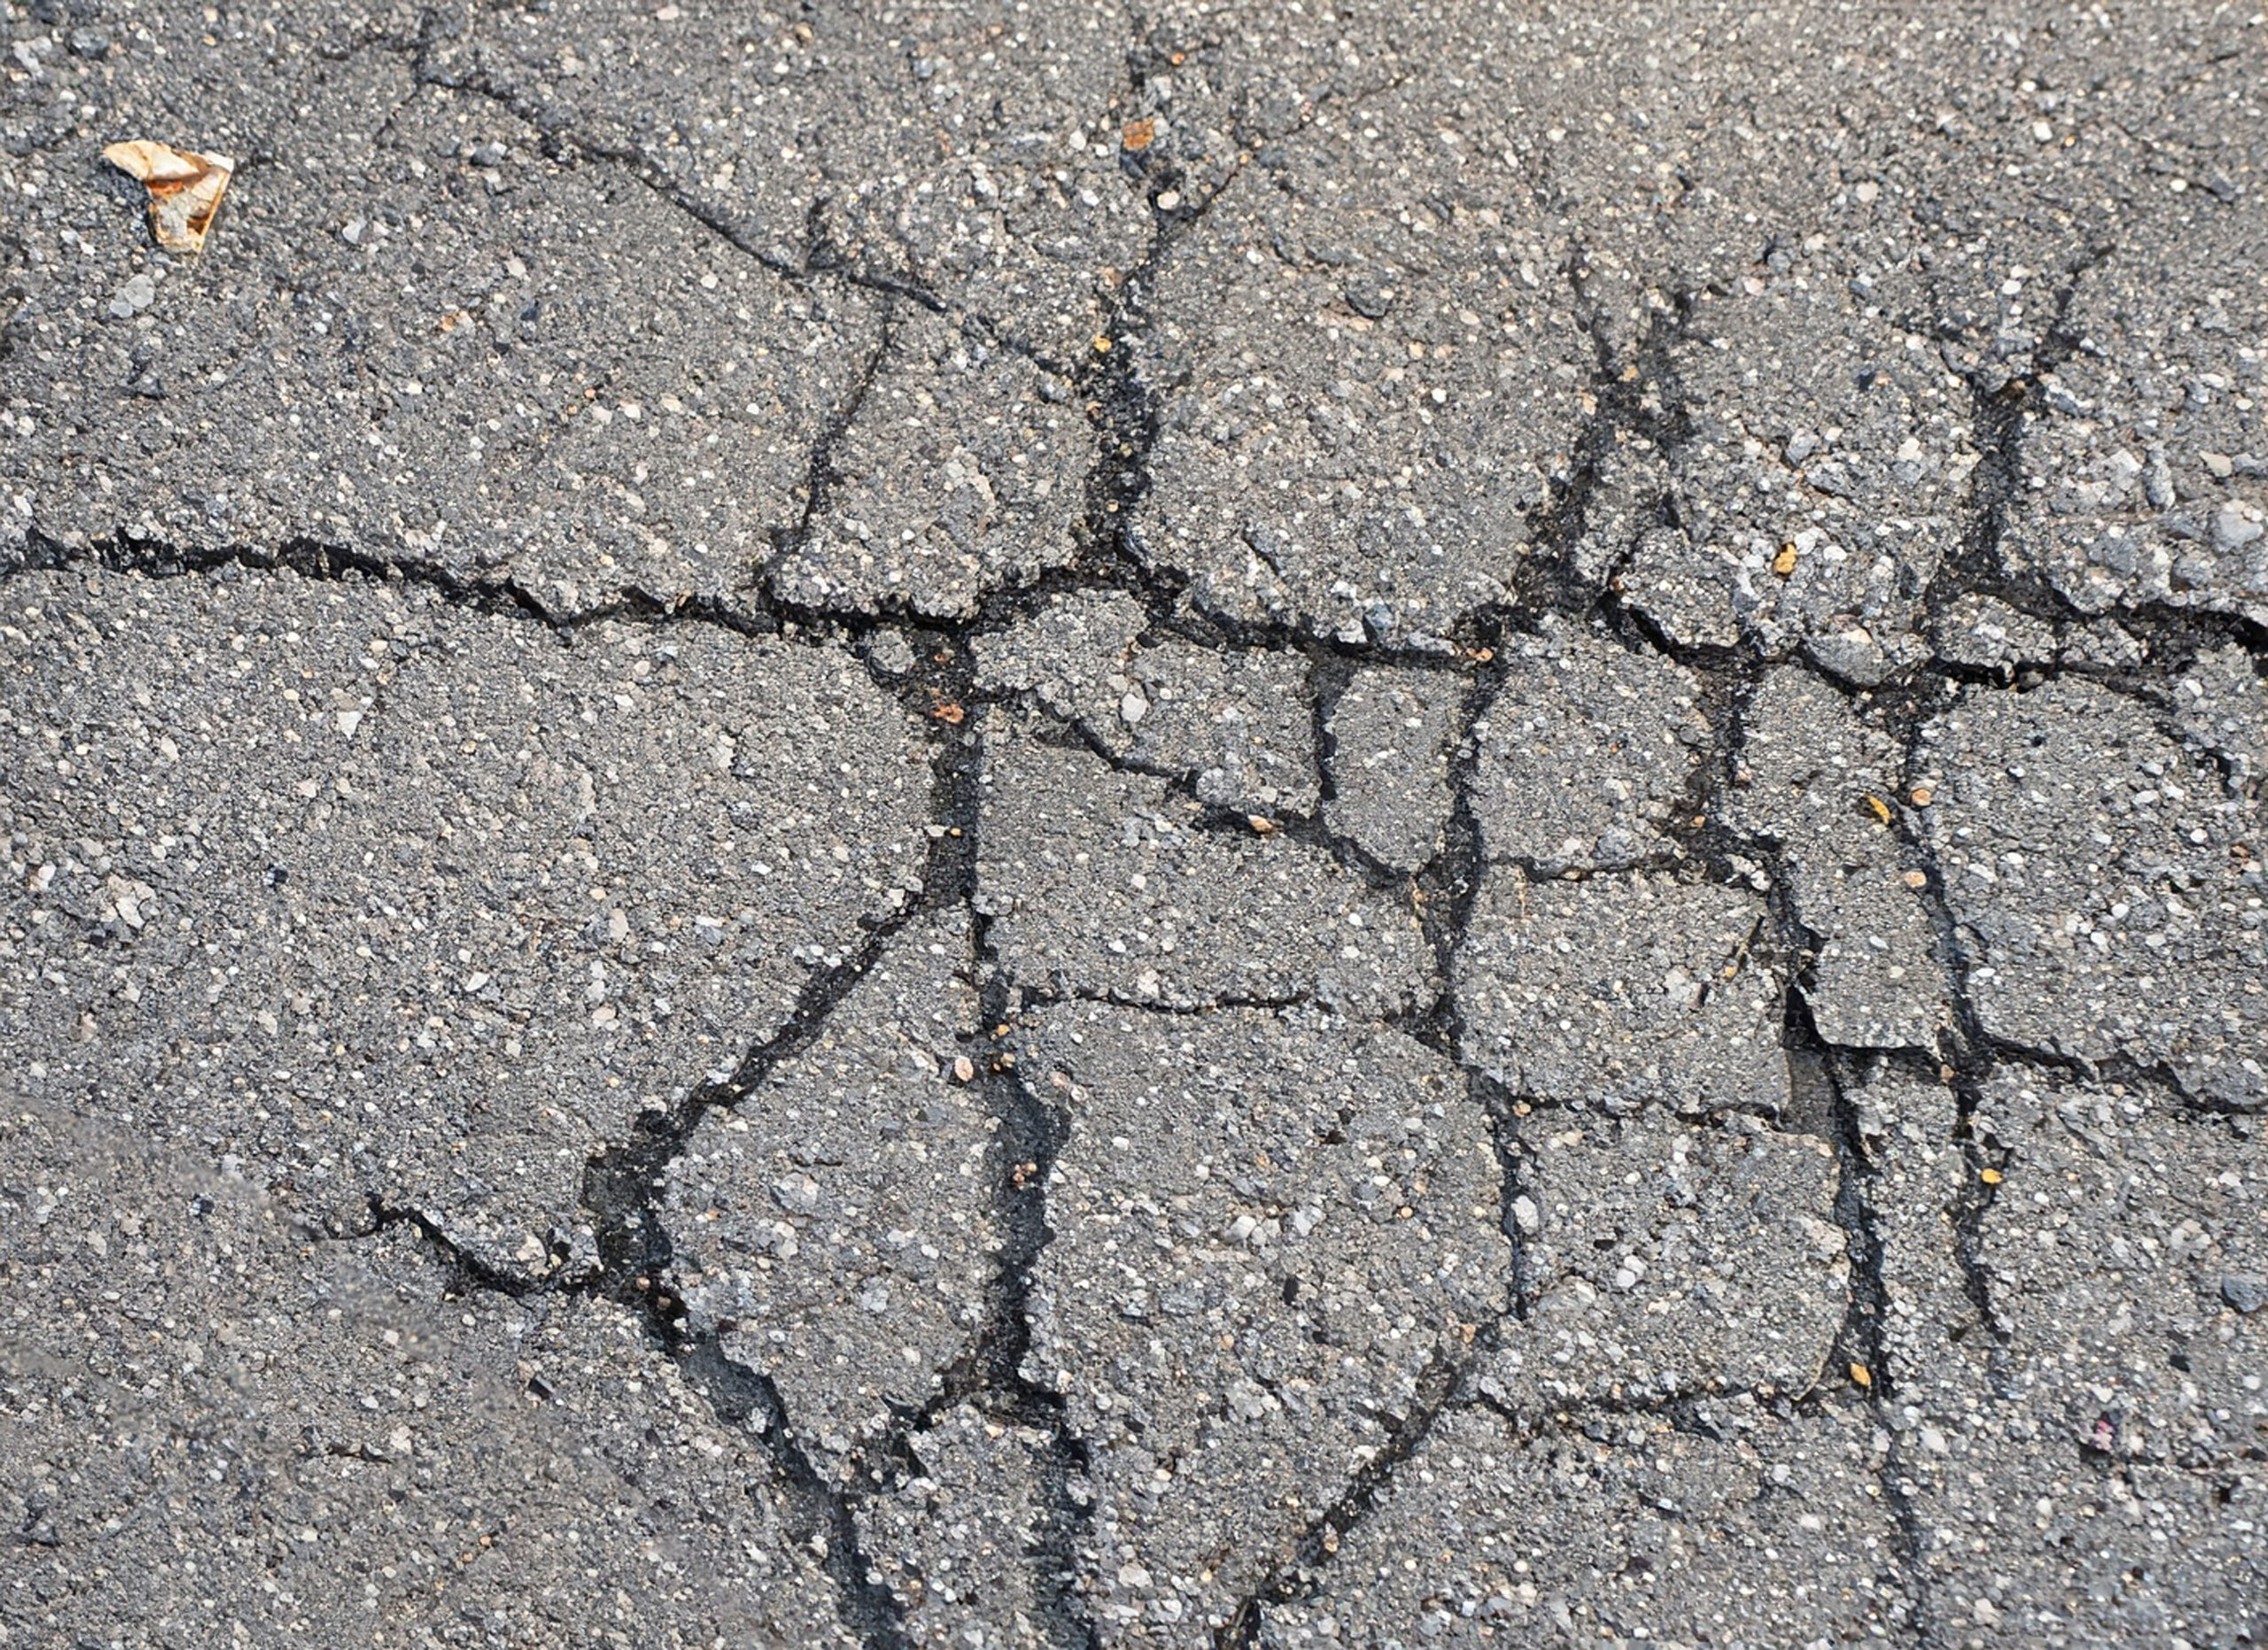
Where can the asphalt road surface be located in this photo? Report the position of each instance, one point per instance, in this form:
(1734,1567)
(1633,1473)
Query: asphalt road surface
(1040,824)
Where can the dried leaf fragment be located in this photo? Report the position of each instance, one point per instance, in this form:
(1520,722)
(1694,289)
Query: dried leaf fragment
(1878,808)
(185,189)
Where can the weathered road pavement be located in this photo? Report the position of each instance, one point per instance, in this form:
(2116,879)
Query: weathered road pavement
(1033,825)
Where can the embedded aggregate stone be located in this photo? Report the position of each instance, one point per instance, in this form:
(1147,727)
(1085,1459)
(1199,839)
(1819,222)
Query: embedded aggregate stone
(378,896)
(1103,883)
(960,1540)
(1815,778)
(1585,753)
(2107,883)
(1235,723)
(1659,1260)
(962,468)
(1770,1530)
(218,1422)
(833,1228)
(1268,1229)
(1622,991)
(1393,732)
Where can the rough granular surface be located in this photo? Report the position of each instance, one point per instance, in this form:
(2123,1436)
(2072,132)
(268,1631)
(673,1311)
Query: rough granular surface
(1052,825)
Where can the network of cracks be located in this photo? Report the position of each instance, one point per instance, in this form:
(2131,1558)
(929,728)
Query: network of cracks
(1153,1094)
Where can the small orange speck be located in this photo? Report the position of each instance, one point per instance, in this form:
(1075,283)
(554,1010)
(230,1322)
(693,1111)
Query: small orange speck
(1879,809)
(1785,563)
(1102,345)
(1923,796)
(1915,879)
(1860,1376)
(1139,133)
(1991,1177)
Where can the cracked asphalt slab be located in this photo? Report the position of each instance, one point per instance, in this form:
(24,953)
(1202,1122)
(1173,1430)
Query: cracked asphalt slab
(1027,825)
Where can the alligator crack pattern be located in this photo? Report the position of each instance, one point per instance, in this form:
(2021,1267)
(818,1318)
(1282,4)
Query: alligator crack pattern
(1635,395)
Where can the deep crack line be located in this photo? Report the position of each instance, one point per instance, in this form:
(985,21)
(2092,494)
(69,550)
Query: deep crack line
(1861,1341)
(992,1372)
(622,1189)
(1450,885)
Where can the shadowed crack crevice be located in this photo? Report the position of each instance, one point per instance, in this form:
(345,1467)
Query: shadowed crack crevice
(623,1187)
(622,1190)
(1860,1347)
(1437,1387)
(1031,1131)
(1518,1212)
(992,1375)
(2000,410)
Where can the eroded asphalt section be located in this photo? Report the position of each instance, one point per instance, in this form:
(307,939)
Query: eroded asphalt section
(1037,825)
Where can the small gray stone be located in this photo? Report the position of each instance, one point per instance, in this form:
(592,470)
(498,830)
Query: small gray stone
(139,293)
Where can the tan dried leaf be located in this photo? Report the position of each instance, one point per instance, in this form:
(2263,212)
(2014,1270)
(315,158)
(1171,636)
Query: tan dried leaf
(185,189)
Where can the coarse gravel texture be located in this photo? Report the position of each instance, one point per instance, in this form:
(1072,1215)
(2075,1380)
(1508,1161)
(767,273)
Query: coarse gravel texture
(1027,825)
